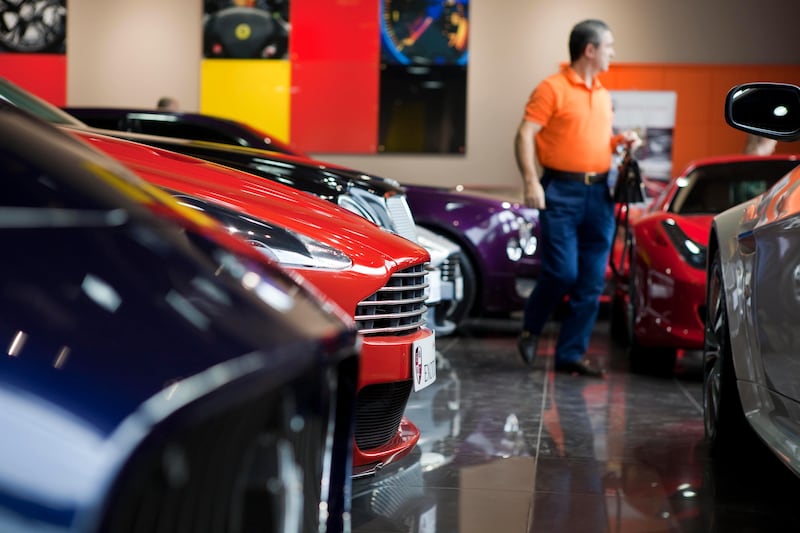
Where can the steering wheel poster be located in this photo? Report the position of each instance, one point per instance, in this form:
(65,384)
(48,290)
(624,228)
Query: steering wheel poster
(246,29)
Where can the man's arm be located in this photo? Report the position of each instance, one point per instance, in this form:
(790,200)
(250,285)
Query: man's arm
(525,152)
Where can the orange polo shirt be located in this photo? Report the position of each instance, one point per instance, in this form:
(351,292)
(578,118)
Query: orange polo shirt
(576,134)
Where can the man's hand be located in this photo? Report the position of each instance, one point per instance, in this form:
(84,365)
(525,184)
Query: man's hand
(533,194)
(632,139)
(525,152)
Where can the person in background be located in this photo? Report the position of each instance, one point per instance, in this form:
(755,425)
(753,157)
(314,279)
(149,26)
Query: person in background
(567,129)
(167,103)
(757,145)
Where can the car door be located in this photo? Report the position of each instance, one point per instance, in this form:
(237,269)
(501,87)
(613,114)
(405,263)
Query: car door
(775,297)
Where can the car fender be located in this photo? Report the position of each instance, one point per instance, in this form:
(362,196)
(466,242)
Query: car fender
(731,234)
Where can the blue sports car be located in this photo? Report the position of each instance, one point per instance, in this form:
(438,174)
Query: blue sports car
(157,374)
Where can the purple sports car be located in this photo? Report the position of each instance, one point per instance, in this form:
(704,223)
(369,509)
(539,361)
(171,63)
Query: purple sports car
(498,236)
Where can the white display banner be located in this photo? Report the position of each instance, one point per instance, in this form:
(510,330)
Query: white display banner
(652,115)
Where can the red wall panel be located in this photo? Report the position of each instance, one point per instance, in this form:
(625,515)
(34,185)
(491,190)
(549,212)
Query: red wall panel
(45,75)
(334,51)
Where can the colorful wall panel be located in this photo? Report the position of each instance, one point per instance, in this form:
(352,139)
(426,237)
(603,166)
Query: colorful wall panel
(45,75)
(700,128)
(335,55)
(33,48)
(254,91)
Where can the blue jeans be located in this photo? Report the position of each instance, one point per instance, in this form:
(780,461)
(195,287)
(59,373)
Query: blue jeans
(577,232)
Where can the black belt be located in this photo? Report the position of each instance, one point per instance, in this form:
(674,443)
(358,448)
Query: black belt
(587,178)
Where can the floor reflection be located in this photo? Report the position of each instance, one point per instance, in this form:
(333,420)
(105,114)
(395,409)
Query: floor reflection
(507,448)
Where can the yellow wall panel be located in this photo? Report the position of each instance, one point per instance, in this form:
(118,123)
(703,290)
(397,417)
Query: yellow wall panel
(253,91)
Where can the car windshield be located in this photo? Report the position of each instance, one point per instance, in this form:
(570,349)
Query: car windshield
(715,188)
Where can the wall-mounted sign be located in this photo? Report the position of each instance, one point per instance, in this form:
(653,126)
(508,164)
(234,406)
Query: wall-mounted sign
(652,115)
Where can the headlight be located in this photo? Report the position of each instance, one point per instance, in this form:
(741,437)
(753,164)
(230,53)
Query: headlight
(513,249)
(292,249)
(287,247)
(524,243)
(691,251)
(527,240)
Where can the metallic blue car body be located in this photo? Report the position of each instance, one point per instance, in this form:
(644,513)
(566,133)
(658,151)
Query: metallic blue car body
(153,376)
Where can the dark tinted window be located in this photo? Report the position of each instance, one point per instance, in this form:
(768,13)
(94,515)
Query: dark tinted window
(715,188)
(181,130)
(107,123)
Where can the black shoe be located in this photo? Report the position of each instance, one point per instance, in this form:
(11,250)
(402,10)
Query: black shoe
(526,344)
(580,368)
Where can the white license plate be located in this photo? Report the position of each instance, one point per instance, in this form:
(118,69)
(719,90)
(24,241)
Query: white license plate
(423,362)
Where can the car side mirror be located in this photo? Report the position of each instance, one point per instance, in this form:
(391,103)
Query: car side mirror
(767,109)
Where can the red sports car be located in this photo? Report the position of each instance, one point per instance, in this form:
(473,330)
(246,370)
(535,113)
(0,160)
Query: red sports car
(376,276)
(659,297)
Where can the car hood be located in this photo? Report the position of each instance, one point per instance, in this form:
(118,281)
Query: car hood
(311,175)
(273,202)
(696,227)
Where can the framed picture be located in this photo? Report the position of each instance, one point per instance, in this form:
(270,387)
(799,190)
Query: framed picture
(246,29)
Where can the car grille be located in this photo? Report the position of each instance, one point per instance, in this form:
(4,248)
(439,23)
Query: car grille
(402,218)
(379,409)
(398,308)
(451,267)
(237,470)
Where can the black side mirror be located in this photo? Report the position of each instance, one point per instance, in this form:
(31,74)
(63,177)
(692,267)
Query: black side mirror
(767,109)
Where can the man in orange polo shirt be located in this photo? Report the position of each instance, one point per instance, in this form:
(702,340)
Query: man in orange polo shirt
(567,129)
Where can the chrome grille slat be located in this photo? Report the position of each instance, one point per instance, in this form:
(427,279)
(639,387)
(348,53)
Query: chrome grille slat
(404,288)
(400,275)
(391,315)
(368,303)
(394,331)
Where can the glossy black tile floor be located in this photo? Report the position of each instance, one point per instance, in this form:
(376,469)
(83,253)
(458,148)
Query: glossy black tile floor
(507,448)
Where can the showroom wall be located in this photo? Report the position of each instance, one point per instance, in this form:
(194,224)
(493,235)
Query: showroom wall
(130,53)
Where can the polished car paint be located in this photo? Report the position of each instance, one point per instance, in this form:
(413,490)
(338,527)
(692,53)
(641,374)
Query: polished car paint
(498,236)
(139,342)
(377,257)
(750,350)
(662,291)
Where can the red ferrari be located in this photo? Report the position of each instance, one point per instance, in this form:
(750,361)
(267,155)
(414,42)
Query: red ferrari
(660,289)
(376,276)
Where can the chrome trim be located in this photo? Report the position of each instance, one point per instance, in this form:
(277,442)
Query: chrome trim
(399,306)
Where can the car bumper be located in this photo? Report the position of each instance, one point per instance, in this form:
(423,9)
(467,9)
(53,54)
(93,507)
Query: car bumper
(382,433)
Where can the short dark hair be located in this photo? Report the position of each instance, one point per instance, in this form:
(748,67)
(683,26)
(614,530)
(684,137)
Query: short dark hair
(165,101)
(583,33)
